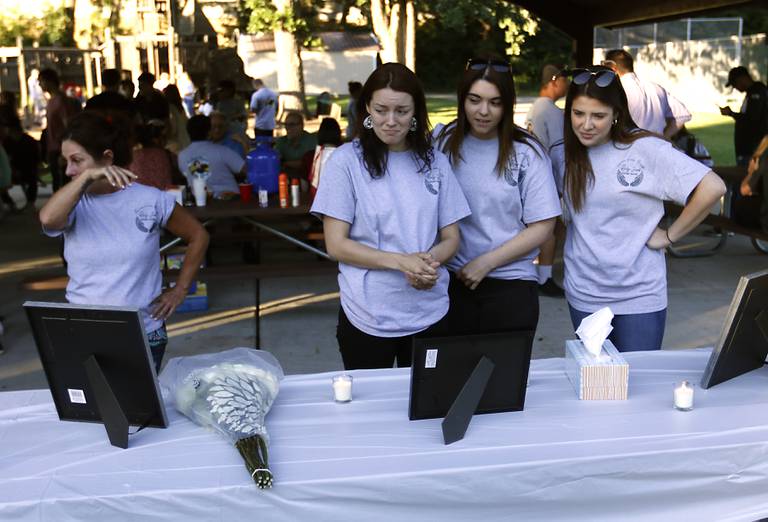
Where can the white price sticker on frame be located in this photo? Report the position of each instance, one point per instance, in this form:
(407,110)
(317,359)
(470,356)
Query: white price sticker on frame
(76,396)
(430,361)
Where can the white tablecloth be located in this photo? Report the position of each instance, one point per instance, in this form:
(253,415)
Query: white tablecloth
(560,459)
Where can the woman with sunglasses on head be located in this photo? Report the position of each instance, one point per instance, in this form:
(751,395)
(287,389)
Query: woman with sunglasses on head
(111,228)
(507,178)
(390,207)
(616,179)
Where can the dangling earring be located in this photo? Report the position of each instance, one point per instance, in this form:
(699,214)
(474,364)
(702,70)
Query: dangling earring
(615,121)
(414,124)
(368,122)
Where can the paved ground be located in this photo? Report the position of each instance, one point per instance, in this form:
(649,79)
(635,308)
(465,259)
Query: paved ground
(299,317)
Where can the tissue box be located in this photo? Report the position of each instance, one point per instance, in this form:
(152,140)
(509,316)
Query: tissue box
(596,379)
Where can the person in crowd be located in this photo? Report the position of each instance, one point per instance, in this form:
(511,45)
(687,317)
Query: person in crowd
(176,130)
(615,180)
(390,206)
(328,139)
(150,104)
(752,120)
(294,145)
(221,134)
(545,121)
(187,90)
(111,228)
(648,102)
(58,112)
(24,155)
(354,94)
(686,141)
(153,164)
(127,88)
(110,99)
(5,173)
(750,199)
(36,97)
(224,166)
(507,179)
(264,107)
(232,107)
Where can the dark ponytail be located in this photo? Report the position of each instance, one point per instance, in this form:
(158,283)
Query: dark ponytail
(97,133)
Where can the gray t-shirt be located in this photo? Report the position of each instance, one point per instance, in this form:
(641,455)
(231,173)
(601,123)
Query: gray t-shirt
(502,206)
(112,248)
(402,211)
(545,120)
(607,262)
(223,163)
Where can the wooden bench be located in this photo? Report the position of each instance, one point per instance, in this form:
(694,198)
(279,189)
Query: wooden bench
(723,224)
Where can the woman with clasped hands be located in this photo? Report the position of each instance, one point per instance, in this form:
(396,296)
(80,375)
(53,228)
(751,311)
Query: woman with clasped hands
(111,228)
(616,179)
(390,206)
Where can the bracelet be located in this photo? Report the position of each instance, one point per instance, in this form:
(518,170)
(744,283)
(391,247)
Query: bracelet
(668,238)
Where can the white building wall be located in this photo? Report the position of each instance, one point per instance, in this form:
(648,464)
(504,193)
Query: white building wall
(323,71)
(696,71)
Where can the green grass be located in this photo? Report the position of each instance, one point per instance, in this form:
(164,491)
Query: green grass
(716,133)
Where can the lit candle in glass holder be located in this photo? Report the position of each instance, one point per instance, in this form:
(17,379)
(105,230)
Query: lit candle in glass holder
(342,388)
(684,396)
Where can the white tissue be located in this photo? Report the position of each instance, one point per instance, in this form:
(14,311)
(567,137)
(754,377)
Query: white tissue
(595,329)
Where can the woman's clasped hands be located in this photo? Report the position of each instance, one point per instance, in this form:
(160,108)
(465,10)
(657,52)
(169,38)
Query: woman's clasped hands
(420,269)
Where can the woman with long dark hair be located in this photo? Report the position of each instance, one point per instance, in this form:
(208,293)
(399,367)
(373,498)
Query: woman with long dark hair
(111,228)
(507,178)
(390,206)
(616,179)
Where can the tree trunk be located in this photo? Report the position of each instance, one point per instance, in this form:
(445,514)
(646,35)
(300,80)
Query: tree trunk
(395,28)
(290,70)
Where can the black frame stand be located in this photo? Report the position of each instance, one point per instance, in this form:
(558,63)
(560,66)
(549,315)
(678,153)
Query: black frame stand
(112,414)
(457,420)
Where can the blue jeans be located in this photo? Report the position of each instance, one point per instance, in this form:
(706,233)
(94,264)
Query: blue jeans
(632,332)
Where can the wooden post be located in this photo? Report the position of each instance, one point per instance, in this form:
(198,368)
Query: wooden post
(88,73)
(22,74)
(171,55)
(110,61)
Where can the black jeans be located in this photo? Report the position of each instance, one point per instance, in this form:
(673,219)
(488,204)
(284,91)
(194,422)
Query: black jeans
(360,350)
(496,305)
(57,172)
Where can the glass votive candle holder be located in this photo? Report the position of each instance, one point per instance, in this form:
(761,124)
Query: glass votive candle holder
(342,388)
(683,396)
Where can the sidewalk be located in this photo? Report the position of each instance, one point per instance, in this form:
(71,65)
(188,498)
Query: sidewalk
(299,315)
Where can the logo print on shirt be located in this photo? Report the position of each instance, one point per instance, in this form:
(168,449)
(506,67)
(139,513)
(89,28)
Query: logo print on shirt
(630,172)
(514,173)
(146,219)
(432,180)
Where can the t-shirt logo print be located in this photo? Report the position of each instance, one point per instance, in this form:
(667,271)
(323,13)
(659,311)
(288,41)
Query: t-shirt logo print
(630,172)
(146,219)
(432,180)
(514,173)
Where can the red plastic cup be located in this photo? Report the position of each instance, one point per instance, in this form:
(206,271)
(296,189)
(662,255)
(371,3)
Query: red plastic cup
(246,190)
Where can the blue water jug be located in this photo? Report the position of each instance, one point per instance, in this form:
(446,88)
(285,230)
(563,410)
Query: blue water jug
(263,165)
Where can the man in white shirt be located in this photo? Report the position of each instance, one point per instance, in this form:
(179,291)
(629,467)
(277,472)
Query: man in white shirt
(649,103)
(264,106)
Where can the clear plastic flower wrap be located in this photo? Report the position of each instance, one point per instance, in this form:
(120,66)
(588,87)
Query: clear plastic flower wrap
(231,392)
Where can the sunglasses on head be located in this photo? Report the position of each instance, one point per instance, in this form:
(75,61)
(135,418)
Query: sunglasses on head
(476,64)
(603,78)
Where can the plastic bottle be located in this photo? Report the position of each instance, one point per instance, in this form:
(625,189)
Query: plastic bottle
(283,189)
(263,165)
(295,197)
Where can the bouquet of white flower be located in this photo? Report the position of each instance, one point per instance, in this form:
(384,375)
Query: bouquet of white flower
(231,392)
